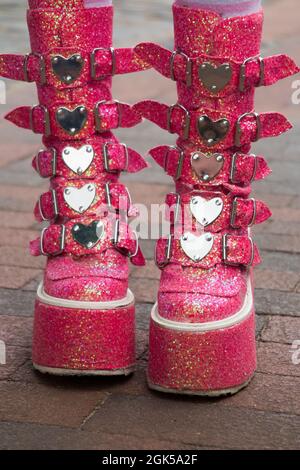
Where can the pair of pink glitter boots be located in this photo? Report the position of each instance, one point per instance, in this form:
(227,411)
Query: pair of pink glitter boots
(202,332)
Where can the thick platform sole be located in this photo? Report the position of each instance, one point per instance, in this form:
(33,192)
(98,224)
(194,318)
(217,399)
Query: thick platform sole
(207,359)
(83,338)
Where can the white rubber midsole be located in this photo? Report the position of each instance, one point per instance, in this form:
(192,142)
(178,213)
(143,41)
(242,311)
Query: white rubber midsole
(77,372)
(208,326)
(83,305)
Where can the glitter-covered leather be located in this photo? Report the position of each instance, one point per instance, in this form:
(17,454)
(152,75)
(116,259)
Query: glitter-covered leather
(59,239)
(72,62)
(96,157)
(100,198)
(206,261)
(215,211)
(99,118)
(187,125)
(241,75)
(93,66)
(238,168)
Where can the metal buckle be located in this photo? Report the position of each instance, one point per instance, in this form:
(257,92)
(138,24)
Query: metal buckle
(253,220)
(167,254)
(93,62)
(108,197)
(180,160)
(38,168)
(177,206)
(55,205)
(106,157)
(188,78)
(53,161)
(116,232)
(238,132)
(234,212)
(98,117)
(186,129)
(233,167)
(242,79)
(61,242)
(132,255)
(225,252)
(46,119)
(116,239)
(254,167)
(42,67)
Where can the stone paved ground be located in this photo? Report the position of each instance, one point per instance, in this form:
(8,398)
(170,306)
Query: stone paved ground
(39,412)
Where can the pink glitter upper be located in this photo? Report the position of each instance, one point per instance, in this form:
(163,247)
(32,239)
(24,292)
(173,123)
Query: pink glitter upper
(84,156)
(216,66)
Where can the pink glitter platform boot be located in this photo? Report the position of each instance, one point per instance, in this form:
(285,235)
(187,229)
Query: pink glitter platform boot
(84,314)
(202,333)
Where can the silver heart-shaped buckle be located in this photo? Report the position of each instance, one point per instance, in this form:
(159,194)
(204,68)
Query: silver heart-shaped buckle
(206,212)
(88,235)
(78,160)
(215,78)
(80,199)
(67,69)
(197,247)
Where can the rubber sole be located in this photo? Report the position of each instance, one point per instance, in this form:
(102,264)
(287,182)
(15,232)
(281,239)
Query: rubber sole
(82,373)
(83,338)
(206,359)
(210,393)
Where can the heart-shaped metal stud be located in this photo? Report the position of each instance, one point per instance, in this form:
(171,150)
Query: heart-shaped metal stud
(72,121)
(67,69)
(206,212)
(212,132)
(206,166)
(213,77)
(80,199)
(88,235)
(197,248)
(78,160)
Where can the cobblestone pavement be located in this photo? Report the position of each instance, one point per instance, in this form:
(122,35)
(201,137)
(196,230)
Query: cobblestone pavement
(38,412)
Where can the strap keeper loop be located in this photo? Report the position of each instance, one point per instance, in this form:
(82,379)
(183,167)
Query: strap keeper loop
(46,119)
(187,120)
(188,77)
(242,80)
(238,132)
(106,157)
(98,117)
(167,257)
(180,160)
(225,252)
(42,67)
(61,242)
(93,63)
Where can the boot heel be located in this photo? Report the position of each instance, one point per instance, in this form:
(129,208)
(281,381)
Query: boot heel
(84,338)
(208,359)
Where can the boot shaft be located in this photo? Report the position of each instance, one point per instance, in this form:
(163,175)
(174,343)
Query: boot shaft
(70,26)
(200,32)
(218,46)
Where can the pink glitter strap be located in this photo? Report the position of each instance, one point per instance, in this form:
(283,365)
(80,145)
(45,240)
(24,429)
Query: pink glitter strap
(210,168)
(88,160)
(228,211)
(74,121)
(216,76)
(78,198)
(219,130)
(70,67)
(228,249)
(88,236)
